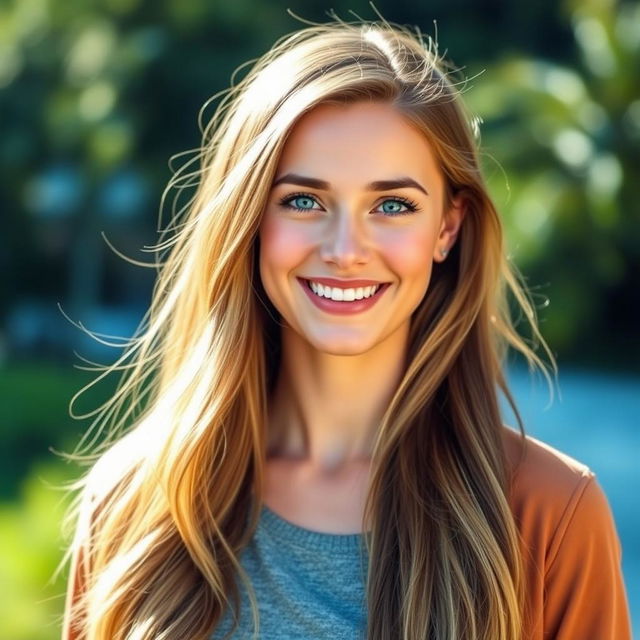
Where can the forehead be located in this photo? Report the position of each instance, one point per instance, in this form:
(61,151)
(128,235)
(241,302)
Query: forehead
(362,141)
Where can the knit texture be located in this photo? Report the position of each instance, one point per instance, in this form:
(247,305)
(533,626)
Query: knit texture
(308,584)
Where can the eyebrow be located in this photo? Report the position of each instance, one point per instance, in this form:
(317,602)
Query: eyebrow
(323,185)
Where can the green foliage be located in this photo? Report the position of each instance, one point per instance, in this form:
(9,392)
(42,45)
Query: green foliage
(568,140)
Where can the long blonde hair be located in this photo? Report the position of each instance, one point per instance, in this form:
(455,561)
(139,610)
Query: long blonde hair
(174,491)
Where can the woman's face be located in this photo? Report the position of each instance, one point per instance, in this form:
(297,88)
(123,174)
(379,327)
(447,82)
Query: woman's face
(357,195)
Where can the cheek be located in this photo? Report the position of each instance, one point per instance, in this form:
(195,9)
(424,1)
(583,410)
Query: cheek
(283,245)
(409,253)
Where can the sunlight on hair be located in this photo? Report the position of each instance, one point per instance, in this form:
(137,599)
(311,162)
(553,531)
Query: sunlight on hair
(112,575)
(373,35)
(274,82)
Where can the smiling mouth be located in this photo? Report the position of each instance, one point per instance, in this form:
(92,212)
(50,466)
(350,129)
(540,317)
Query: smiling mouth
(339,294)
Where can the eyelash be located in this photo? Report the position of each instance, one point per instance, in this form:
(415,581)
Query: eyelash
(412,206)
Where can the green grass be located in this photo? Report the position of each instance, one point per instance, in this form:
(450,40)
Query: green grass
(34,416)
(32,546)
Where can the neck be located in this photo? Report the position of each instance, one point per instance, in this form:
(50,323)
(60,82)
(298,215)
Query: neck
(326,409)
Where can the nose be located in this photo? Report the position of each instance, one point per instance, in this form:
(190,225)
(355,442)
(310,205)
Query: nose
(345,243)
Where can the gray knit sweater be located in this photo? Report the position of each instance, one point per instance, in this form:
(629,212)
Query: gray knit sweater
(309,585)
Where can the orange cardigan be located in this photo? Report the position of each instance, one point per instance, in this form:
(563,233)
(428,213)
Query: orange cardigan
(570,544)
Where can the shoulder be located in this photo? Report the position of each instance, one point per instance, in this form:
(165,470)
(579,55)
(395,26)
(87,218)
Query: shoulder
(540,472)
(571,549)
(555,498)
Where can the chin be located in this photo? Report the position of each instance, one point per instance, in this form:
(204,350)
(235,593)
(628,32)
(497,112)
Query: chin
(343,346)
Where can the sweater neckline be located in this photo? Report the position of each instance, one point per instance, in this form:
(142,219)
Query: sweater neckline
(291,533)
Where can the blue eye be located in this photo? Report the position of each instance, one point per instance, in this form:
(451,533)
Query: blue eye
(409,206)
(304,202)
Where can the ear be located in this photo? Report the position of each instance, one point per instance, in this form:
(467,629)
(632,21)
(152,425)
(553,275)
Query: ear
(450,227)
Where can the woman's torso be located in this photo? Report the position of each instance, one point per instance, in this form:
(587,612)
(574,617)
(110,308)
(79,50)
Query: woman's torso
(310,578)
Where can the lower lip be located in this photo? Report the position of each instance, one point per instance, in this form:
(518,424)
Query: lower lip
(343,307)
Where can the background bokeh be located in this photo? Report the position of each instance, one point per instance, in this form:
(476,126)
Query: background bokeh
(95,97)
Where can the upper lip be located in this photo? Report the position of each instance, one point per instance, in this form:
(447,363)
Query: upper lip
(345,284)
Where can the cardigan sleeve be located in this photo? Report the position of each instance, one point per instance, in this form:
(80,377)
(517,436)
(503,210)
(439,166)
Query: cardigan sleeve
(584,592)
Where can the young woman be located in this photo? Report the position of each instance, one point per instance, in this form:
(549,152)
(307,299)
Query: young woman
(321,453)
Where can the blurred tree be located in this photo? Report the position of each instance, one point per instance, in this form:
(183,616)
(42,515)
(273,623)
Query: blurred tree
(568,139)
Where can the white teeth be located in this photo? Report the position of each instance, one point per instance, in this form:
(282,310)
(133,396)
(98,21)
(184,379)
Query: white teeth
(348,295)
